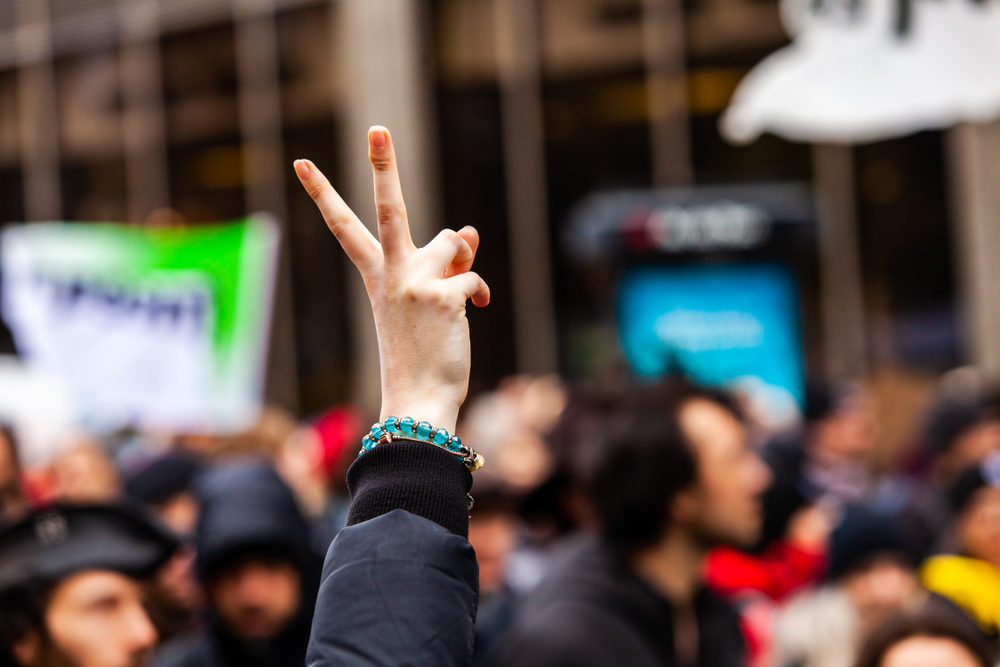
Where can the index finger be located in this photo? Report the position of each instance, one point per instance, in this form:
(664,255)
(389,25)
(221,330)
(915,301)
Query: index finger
(359,244)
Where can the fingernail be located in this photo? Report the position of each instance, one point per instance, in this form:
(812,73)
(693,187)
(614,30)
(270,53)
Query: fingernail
(377,135)
(302,169)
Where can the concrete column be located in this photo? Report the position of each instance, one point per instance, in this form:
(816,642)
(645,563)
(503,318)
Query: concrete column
(264,168)
(841,285)
(663,47)
(519,63)
(973,151)
(38,116)
(384,59)
(257,61)
(143,118)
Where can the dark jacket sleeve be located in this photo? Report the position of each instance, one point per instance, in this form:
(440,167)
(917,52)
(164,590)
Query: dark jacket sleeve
(400,584)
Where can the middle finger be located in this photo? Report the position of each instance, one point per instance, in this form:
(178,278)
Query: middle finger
(393,228)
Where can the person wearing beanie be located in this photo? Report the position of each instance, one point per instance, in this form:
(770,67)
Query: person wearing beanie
(971,577)
(72,585)
(166,485)
(257,565)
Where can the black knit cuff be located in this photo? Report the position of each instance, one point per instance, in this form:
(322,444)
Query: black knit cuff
(422,479)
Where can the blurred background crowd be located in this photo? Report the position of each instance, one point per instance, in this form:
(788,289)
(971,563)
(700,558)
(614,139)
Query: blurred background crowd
(726,189)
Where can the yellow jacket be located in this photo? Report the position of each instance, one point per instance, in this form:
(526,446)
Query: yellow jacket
(971,583)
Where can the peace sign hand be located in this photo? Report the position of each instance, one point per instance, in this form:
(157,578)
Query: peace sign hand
(418,295)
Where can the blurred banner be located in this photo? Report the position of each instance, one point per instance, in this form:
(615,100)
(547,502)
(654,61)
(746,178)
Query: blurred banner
(864,70)
(153,327)
(732,324)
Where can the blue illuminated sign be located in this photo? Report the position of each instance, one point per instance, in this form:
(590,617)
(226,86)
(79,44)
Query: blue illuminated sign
(721,324)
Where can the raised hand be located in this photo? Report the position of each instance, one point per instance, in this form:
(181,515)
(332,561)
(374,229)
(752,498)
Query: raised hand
(418,295)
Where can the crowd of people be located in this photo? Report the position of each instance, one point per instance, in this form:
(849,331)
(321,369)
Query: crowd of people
(614,522)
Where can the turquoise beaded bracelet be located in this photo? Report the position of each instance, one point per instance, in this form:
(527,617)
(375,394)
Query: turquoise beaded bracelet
(408,429)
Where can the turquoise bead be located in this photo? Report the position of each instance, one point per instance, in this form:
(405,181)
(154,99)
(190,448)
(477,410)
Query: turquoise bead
(391,424)
(441,436)
(367,443)
(406,424)
(424,430)
(377,431)
(455,443)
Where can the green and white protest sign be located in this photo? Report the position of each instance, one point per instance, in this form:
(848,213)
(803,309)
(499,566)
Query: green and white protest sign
(153,327)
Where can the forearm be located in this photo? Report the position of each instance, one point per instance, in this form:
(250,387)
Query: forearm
(416,477)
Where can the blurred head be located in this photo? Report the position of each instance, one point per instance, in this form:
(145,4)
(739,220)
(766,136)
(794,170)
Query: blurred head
(254,554)
(930,651)
(675,457)
(870,561)
(493,535)
(84,473)
(94,618)
(924,640)
(166,484)
(840,422)
(70,586)
(528,407)
(314,459)
(978,526)
(256,595)
(975,498)
(961,433)
(881,587)
(493,530)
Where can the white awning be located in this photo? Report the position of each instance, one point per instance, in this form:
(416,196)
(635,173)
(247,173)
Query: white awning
(872,69)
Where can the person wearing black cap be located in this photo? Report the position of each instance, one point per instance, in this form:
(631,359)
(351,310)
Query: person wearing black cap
(260,573)
(71,586)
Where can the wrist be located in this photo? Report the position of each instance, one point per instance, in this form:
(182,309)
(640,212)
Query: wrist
(440,414)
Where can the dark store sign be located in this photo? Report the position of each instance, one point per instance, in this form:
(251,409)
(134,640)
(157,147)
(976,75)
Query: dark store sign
(705,219)
(865,70)
(723,225)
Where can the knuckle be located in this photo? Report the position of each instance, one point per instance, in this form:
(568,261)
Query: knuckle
(439,296)
(411,294)
(390,212)
(449,235)
(476,280)
(381,162)
(433,296)
(314,190)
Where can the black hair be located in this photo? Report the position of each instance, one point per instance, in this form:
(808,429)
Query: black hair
(22,612)
(925,624)
(8,440)
(634,457)
(971,480)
